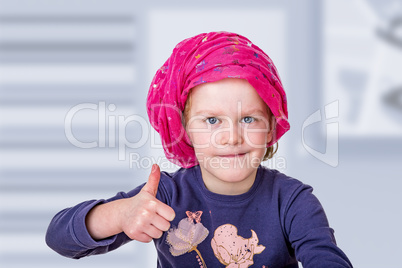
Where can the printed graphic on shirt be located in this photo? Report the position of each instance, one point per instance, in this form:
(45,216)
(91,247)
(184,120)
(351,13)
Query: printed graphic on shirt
(233,250)
(189,233)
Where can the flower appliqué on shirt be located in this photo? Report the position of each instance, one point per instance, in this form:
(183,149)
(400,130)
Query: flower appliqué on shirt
(233,250)
(187,236)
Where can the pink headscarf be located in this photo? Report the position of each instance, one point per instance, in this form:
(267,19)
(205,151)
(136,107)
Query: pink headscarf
(209,57)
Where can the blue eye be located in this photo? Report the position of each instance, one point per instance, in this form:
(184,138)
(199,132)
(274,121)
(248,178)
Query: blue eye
(248,120)
(212,120)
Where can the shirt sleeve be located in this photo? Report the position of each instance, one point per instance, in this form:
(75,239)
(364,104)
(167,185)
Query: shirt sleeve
(67,233)
(309,233)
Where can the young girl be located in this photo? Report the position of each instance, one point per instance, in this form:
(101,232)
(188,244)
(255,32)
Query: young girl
(220,108)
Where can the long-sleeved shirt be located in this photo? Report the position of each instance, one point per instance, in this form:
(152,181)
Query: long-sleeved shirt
(277,223)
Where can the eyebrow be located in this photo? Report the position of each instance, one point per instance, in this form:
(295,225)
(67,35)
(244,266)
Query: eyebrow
(254,111)
(208,112)
(215,112)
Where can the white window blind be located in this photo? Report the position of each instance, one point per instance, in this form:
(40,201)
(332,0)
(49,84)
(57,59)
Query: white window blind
(50,62)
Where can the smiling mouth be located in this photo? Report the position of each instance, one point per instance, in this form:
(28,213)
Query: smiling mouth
(232,155)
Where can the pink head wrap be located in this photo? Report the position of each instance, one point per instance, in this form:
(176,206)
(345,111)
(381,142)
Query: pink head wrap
(209,57)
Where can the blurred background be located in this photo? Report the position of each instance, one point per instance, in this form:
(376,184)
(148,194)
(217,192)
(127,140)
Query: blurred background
(74,76)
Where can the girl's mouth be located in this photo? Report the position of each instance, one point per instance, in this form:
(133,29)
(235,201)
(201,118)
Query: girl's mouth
(232,155)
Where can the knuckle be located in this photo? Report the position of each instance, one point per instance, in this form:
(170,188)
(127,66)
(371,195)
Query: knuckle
(134,230)
(152,204)
(132,233)
(145,213)
(144,238)
(149,205)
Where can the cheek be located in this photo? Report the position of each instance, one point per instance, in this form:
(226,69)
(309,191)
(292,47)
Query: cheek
(200,140)
(199,137)
(256,136)
(256,139)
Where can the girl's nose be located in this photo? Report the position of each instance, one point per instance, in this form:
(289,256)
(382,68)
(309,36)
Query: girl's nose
(233,136)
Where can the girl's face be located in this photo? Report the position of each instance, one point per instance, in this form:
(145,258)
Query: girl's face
(229,127)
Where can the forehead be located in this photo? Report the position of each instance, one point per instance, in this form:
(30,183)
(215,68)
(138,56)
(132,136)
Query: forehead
(228,92)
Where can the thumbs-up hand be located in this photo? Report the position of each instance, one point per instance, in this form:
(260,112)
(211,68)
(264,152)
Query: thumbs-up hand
(143,217)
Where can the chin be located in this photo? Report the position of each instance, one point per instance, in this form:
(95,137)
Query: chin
(232,174)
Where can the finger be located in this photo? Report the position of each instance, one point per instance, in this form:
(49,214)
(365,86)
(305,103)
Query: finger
(165,211)
(153,232)
(161,223)
(142,238)
(153,181)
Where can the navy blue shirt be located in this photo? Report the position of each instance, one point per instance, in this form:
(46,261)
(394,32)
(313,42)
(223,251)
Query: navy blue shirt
(277,223)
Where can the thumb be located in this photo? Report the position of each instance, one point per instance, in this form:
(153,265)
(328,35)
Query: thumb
(153,181)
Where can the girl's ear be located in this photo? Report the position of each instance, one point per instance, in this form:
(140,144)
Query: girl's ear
(269,136)
(272,129)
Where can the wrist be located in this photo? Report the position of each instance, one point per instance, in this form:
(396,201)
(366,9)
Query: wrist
(103,220)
